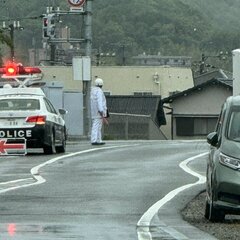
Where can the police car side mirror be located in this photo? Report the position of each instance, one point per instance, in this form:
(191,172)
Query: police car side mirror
(62,111)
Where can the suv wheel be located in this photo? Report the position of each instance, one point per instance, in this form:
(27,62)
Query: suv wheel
(215,215)
(207,210)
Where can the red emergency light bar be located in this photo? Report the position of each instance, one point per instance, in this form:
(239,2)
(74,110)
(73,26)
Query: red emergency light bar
(14,69)
(31,70)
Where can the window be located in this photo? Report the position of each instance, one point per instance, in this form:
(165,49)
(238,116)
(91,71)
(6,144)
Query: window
(49,106)
(107,93)
(142,93)
(234,126)
(195,126)
(19,104)
(184,126)
(147,94)
(203,126)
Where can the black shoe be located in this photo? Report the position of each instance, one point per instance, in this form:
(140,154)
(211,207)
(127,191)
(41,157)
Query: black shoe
(98,143)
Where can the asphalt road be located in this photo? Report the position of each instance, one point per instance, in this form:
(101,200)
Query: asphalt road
(123,190)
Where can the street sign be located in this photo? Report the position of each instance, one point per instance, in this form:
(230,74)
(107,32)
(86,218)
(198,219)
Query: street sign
(76,3)
(81,68)
(76,9)
(12,146)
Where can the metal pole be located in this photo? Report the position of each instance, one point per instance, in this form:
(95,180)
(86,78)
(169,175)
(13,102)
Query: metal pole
(126,126)
(123,55)
(202,64)
(88,28)
(52,54)
(88,52)
(11,27)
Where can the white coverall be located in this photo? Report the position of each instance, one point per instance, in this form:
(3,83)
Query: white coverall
(98,111)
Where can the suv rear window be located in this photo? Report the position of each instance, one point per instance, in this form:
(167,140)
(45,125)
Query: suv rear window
(19,104)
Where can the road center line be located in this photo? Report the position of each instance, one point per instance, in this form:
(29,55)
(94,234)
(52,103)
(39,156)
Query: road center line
(144,223)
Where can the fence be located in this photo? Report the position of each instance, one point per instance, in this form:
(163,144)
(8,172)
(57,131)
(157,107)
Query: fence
(131,126)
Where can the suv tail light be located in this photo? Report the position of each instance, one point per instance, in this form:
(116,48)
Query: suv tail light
(36,119)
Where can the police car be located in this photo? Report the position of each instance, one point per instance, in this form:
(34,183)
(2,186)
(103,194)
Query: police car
(27,113)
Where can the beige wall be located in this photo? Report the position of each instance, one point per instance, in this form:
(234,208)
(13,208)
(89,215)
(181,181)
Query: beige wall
(62,74)
(205,102)
(125,80)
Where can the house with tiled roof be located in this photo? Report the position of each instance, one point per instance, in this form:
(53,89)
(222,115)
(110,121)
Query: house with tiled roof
(194,111)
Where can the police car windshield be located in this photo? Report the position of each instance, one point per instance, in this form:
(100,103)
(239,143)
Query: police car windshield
(19,104)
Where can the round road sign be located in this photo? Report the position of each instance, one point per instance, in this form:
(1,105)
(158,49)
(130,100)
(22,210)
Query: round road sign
(77,3)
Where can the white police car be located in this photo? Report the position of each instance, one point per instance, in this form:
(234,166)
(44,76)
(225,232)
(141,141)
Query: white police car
(27,113)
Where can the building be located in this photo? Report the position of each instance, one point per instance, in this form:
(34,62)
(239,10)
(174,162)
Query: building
(159,60)
(127,80)
(194,111)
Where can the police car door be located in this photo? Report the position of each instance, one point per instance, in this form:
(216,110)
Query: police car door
(55,119)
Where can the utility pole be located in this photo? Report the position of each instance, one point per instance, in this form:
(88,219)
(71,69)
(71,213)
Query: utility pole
(202,64)
(123,55)
(88,52)
(11,30)
(52,53)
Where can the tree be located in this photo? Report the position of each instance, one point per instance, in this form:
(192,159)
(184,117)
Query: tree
(4,39)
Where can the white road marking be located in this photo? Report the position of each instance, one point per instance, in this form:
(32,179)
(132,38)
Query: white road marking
(35,170)
(144,223)
(14,181)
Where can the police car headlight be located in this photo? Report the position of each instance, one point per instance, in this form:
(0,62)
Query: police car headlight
(230,162)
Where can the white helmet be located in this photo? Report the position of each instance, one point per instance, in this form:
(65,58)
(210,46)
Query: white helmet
(98,82)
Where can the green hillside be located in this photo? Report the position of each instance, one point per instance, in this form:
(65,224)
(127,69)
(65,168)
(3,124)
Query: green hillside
(165,26)
(171,27)
(223,14)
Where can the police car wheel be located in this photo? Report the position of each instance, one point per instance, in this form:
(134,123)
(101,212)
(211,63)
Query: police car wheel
(50,149)
(62,148)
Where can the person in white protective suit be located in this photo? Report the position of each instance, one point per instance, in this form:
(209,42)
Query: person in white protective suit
(98,112)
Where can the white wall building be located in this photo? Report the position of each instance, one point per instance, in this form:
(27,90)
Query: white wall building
(127,80)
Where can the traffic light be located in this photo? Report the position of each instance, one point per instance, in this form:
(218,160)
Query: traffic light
(51,25)
(45,27)
(48,26)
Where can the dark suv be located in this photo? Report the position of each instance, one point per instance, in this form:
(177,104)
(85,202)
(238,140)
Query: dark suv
(223,167)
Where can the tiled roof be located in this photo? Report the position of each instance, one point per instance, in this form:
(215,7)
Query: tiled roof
(223,82)
(216,74)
